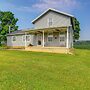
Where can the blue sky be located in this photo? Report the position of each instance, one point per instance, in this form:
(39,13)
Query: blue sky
(27,10)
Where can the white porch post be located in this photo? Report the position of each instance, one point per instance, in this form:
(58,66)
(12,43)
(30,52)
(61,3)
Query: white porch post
(71,36)
(43,38)
(67,38)
(25,40)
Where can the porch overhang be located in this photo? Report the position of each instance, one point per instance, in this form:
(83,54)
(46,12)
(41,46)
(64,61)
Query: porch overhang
(59,30)
(50,29)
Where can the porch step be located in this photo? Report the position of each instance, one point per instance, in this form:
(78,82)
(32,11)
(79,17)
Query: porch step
(48,49)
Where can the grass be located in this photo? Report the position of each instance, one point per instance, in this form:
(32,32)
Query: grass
(82,45)
(20,70)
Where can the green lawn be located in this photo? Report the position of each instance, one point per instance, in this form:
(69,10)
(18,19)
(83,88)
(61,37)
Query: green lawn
(20,70)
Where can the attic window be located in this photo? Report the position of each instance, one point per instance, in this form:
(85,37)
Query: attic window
(50,21)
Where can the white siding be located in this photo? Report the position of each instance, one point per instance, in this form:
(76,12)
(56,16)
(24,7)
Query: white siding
(19,41)
(54,42)
(58,20)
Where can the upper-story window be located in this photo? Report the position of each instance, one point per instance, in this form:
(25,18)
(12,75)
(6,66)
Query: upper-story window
(50,21)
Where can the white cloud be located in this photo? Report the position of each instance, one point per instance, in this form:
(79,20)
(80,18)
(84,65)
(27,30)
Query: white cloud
(24,9)
(41,5)
(11,7)
(66,5)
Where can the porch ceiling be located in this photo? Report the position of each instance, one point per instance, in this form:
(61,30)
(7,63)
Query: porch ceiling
(51,29)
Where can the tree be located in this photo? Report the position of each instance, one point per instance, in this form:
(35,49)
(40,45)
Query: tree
(76,27)
(7,20)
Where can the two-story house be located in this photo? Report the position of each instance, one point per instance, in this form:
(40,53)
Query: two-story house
(52,29)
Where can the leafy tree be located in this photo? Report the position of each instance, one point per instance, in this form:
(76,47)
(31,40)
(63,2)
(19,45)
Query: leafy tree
(76,27)
(7,20)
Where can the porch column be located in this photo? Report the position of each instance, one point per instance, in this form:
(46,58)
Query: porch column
(43,39)
(67,38)
(71,36)
(25,40)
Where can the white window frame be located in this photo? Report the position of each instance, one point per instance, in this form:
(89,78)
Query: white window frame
(50,35)
(13,38)
(23,38)
(60,36)
(29,38)
(48,22)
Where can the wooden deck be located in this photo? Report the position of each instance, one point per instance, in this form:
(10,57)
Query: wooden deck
(48,49)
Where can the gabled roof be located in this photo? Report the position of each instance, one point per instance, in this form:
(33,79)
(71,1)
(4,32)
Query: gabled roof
(50,9)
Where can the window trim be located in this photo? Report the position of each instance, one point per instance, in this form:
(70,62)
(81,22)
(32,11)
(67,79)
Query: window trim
(13,38)
(48,22)
(61,35)
(29,38)
(51,36)
(24,37)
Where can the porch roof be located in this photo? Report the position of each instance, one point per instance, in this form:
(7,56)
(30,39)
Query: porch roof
(50,29)
(34,31)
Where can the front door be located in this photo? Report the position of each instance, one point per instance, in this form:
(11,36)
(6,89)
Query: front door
(62,40)
(39,39)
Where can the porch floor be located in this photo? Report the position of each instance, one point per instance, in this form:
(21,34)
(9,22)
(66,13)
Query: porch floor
(47,49)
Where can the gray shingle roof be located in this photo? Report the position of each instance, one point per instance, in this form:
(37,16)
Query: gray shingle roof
(18,32)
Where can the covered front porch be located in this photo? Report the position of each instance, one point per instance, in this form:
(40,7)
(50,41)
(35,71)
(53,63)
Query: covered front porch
(54,40)
(51,37)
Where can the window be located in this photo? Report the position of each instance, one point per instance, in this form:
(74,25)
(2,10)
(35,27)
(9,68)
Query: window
(62,36)
(50,22)
(62,39)
(50,37)
(13,38)
(23,38)
(27,38)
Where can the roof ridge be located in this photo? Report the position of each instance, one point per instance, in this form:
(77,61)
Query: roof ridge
(54,11)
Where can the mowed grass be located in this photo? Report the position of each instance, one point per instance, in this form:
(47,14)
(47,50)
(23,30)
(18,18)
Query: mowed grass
(20,70)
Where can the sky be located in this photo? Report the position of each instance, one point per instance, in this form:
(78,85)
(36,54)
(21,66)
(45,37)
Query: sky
(27,10)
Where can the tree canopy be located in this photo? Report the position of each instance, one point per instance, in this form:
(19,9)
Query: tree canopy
(7,20)
(76,27)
